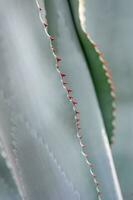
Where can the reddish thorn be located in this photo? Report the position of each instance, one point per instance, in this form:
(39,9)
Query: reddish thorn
(77,112)
(58,59)
(77,120)
(58,67)
(62,74)
(70,97)
(52,38)
(45,24)
(69,90)
(64,83)
(74,102)
(78,124)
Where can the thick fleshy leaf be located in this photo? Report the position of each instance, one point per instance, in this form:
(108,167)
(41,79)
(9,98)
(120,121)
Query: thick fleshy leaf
(109,23)
(36,120)
(101,74)
(8,189)
(73,64)
(113,19)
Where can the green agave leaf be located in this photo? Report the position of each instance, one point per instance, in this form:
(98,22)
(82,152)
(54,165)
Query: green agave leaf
(113,20)
(109,23)
(74,65)
(36,120)
(99,70)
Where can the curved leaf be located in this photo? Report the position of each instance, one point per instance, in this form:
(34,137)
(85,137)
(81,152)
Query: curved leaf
(73,64)
(36,120)
(99,70)
(113,20)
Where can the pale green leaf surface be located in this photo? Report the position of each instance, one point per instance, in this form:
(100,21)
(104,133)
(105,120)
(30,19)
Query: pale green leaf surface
(73,63)
(110,25)
(36,121)
(8,190)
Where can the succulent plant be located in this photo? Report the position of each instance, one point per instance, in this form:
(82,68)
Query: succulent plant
(57,105)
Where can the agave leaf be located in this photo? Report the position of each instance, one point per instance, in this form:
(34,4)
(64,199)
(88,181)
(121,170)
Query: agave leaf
(73,64)
(8,190)
(114,20)
(122,150)
(99,70)
(36,120)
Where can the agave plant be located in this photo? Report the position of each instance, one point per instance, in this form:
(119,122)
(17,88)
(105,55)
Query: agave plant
(57,105)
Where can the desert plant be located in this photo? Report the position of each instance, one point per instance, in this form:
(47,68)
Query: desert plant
(110,24)
(56,105)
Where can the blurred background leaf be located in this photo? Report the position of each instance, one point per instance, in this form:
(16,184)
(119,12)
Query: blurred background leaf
(98,68)
(109,22)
